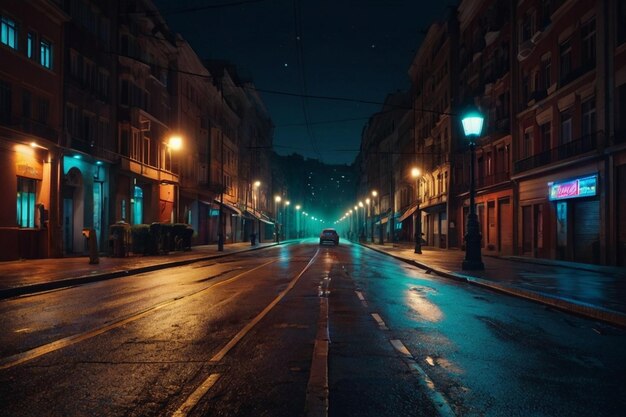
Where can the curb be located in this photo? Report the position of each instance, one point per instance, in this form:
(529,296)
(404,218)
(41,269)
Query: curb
(569,306)
(87,279)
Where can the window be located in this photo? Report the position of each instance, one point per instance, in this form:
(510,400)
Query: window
(8,32)
(527,144)
(566,128)
(70,119)
(26,202)
(589,117)
(88,128)
(545,73)
(546,137)
(5,101)
(588,35)
(43,110)
(30,45)
(138,205)
(27,104)
(566,60)
(74,71)
(621,17)
(45,54)
(135,145)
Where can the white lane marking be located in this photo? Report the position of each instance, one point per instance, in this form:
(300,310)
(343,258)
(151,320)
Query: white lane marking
(399,346)
(379,320)
(240,335)
(441,404)
(193,399)
(316,402)
(31,354)
(361,297)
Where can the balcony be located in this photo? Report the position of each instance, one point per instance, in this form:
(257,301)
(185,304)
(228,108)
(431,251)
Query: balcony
(36,128)
(565,151)
(493,179)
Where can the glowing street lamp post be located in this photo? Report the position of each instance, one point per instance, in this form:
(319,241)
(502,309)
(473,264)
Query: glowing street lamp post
(415,173)
(298,207)
(368,217)
(472,127)
(276,224)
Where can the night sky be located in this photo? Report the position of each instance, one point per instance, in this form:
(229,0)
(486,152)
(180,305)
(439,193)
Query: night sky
(358,50)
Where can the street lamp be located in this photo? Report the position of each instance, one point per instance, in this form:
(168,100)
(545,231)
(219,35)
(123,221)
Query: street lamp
(174,143)
(380,220)
(256,186)
(298,207)
(361,221)
(472,127)
(415,173)
(285,215)
(276,202)
(368,216)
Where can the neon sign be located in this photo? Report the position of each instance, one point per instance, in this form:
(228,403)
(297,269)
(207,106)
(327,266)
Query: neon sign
(579,187)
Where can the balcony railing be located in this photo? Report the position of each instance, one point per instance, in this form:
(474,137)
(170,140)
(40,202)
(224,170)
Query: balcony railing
(567,150)
(493,179)
(36,128)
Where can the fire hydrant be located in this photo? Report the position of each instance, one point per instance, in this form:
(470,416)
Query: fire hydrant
(92,243)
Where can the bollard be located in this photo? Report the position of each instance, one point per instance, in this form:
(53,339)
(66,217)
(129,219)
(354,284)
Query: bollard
(92,242)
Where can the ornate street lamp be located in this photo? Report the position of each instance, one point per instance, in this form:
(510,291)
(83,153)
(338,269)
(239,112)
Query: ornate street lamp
(415,173)
(472,126)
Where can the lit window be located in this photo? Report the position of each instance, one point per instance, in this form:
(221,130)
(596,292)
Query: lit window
(8,32)
(45,54)
(25,202)
(30,39)
(138,205)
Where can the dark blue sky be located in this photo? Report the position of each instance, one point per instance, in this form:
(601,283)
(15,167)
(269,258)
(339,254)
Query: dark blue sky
(355,49)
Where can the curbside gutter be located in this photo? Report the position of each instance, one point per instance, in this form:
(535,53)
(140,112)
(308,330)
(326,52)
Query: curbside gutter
(6,293)
(569,306)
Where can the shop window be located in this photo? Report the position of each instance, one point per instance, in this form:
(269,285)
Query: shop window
(8,32)
(26,193)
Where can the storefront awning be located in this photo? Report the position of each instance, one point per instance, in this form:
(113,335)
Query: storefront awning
(407,213)
(230,207)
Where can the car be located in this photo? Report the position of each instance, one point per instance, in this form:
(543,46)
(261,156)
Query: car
(329,235)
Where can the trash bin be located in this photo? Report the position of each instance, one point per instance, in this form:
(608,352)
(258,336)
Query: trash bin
(119,239)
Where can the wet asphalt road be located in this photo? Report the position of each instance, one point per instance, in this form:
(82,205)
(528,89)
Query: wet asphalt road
(236,337)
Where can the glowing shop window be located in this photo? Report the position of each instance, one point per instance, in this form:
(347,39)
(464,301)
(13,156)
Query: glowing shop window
(138,205)
(26,202)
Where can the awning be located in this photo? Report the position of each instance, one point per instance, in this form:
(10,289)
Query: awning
(267,221)
(230,207)
(407,213)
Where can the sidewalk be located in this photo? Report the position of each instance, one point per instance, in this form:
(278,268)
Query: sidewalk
(34,275)
(593,291)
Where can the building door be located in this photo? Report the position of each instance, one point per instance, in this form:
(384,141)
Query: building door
(527,230)
(68,224)
(587,231)
(491,225)
(538,231)
(561,230)
(505,227)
